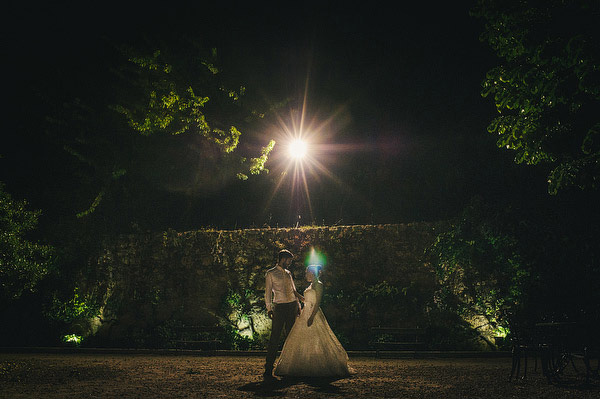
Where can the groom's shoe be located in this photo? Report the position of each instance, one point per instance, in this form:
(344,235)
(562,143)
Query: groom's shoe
(268,375)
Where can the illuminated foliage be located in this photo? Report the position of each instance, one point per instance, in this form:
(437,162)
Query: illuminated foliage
(547,90)
(72,339)
(166,101)
(479,265)
(73,309)
(23,264)
(257,165)
(144,97)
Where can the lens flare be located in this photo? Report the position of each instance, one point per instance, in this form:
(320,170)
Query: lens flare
(306,156)
(315,258)
(297,149)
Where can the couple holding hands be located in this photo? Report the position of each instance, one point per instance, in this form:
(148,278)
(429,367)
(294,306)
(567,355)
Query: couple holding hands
(311,349)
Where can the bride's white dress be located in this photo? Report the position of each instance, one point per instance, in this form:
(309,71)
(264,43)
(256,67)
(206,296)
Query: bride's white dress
(312,351)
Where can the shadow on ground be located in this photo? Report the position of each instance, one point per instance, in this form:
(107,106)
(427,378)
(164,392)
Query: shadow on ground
(278,387)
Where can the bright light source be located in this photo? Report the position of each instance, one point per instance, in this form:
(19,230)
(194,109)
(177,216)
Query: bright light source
(297,149)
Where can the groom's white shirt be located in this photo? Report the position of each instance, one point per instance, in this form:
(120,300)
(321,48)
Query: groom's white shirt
(280,282)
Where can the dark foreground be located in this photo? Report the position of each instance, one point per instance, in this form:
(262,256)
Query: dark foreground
(153,376)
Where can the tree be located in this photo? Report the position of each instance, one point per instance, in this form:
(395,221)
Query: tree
(547,90)
(144,95)
(515,265)
(481,267)
(23,263)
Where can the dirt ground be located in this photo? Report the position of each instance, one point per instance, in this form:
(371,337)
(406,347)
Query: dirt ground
(154,376)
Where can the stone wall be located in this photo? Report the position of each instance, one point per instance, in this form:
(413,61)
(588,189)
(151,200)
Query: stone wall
(149,284)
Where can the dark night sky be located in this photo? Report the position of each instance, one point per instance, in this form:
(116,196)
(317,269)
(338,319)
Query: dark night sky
(400,86)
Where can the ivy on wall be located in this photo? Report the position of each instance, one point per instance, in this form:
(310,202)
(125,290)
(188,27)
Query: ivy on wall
(374,275)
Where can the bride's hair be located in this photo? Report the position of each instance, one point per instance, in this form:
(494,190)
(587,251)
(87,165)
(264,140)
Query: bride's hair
(315,269)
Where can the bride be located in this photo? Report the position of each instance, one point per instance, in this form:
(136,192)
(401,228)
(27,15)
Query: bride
(311,348)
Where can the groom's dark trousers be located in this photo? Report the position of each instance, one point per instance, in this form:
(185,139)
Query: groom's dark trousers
(284,315)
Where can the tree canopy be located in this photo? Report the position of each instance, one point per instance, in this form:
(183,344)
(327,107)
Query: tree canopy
(155,90)
(547,89)
(129,127)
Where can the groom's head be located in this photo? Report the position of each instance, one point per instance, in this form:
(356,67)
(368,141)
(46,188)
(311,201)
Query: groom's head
(283,256)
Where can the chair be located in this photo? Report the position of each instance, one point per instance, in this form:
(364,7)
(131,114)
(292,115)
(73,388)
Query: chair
(523,345)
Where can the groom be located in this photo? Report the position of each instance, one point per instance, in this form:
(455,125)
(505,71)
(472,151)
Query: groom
(283,307)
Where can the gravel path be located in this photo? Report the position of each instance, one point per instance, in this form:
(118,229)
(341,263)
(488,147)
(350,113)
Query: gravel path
(153,376)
